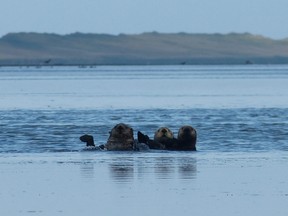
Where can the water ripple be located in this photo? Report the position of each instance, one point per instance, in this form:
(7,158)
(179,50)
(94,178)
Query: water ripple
(218,129)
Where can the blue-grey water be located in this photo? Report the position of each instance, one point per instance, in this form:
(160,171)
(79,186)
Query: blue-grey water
(233,108)
(240,113)
(228,130)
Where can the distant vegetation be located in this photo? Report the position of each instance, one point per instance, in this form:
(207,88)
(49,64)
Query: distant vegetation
(147,48)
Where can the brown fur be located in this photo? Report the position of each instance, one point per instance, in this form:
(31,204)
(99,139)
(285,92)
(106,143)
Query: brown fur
(164,138)
(162,134)
(187,137)
(121,138)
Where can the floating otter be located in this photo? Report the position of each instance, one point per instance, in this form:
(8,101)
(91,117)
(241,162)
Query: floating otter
(163,134)
(164,139)
(120,139)
(187,137)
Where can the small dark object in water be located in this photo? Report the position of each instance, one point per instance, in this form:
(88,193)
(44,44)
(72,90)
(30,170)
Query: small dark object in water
(88,139)
(47,61)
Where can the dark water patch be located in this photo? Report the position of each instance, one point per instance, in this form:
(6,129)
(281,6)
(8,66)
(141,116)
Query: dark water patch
(218,129)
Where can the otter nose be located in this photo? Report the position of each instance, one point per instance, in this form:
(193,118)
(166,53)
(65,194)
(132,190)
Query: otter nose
(120,127)
(164,131)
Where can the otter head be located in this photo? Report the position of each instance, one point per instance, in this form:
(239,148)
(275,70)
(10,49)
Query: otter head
(121,138)
(187,137)
(162,134)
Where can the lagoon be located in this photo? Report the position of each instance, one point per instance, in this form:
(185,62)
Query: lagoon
(240,113)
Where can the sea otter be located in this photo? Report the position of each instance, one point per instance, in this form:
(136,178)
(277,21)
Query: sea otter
(120,139)
(187,137)
(164,139)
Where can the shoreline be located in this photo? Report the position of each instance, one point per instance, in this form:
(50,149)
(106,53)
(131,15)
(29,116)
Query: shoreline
(80,65)
(91,66)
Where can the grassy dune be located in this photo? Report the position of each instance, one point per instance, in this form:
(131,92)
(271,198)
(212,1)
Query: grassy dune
(146,48)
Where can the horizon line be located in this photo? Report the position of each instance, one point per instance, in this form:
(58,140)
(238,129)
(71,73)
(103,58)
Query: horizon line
(144,32)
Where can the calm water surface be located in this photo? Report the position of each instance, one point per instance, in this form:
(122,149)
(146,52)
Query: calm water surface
(240,113)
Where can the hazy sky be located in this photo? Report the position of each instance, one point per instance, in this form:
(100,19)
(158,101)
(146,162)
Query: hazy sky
(265,17)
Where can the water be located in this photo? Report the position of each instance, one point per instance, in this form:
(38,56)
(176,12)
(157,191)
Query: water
(144,87)
(240,113)
(221,130)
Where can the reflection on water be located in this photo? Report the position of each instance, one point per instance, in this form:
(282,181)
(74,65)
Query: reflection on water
(187,168)
(125,168)
(169,183)
(122,172)
(164,167)
(129,167)
(122,168)
(87,170)
(160,168)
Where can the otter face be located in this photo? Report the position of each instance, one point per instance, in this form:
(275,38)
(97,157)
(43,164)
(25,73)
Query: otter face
(187,137)
(121,138)
(163,132)
(121,131)
(186,132)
